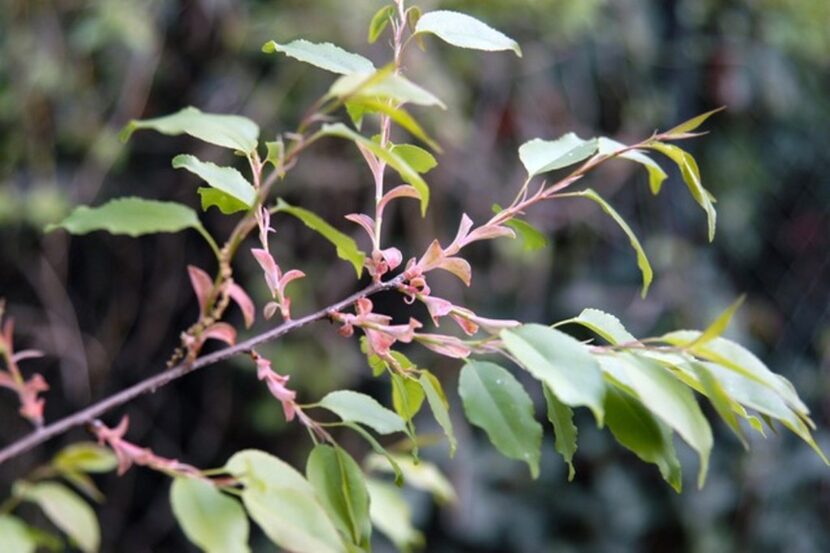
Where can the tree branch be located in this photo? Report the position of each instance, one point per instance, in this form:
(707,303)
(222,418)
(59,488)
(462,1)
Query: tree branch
(153,383)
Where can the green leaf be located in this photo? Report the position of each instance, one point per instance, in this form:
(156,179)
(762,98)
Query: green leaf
(409,174)
(284,504)
(323,55)
(342,491)
(130,216)
(391,515)
(691,176)
(532,238)
(346,246)
(67,511)
(359,106)
(693,123)
(210,519)
(606,325)
(563,363)
(384,85)
(656,175)
(720,400)
(379,449)
(465,31)
(229,131)
(719,325)
(14,536)
(669,399)
(642,260)
(422,475)
(226,179)
(417,158)
(356,407)
(85,457)
(407,396)
(379,22)
(275,152)
(439,406)
(226,203)
(497,403)
(542,156)
(636,429)
(561,417)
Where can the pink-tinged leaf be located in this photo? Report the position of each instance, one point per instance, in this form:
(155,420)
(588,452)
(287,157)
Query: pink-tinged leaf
(7,381)
(371,159)
(468,326)
(366,222)
(432,257)
(379,342)
(26,354)
(290,276)
(494,326)
(403,333)
(437,307)
(463,230)
(244,302)
(459,267)
(202,285)
(31,406)
(270,309)
(220,331)
(403,191)
(449,346)
(488,232)
(269,267)
(393,257)
(363,306)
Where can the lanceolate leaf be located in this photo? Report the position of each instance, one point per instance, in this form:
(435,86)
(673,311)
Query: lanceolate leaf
(561,362)
(339,483)
(541,156)
(606,325)
(346,247)
(417,158)
(642,260)
(465,31)
(210,519)
(561,417)
(409,174)
(226,179)
(439,406)
(495,402)
(392,516)
(693,123)
(229,131)
(656,175)
(720,400)
(718,326)
(14,535)
(363,409)
(379,22)
(362,105)
(67,511)
(324,55)
(385,84)
(635,428)
(130,216)
(85,457)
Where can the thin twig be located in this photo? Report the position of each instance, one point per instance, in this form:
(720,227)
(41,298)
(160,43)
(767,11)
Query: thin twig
(153,383)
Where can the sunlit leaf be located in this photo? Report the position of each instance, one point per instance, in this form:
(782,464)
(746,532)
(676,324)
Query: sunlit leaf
(379,22)
(407,396)
(656,175)
(14,536)
(385,85)
(465,31)
(719,325)
(541,156)
(359,106)
(67,511)
(363,409)
(226,179)
(392,516)
(225,203)
(693,123)
(497,403)
(417,158)
(422,475)
(210,519)
(606,325)
(439,406)
(323,55)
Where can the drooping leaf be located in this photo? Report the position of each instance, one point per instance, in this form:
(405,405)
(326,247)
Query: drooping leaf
(439,406)
(693,123)
(406,171)
(67,511)
(210,519)
(229,131)
(359,106)
(225,179)
(85,457)
(561,417)
(385,84)
(497,403)
(323,55)
(284,504)
(563,363)
(225,203)
(14,535)
(363,409)
(532,238)
(542,156)
(417,158)
(636,429)
(392,516)
(379,449)
(422,475)
(465,31)
(340,485)
(720,400)
(346,247)
(606,325)
(656,175)
(407,396)
(130,216)
(379,22)
(642,260)
(691,176)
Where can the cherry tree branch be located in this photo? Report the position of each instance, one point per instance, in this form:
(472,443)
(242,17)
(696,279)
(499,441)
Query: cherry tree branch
(150,385)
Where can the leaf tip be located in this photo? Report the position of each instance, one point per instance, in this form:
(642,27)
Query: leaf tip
(269,47)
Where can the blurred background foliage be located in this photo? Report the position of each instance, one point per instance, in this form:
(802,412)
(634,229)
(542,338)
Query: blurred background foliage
(108,310)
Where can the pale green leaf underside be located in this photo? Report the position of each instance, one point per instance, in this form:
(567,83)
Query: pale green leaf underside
(363,409)
(14,535)
(541,156)
(130,216)
(229,131)
(422,475)
(345,245)
(561,417)
(323,55)
(226,179)
(391,515)
(656,174)
(606,325)
(210,519)
(497,403)
(68,512)
(465,31)
(383,85)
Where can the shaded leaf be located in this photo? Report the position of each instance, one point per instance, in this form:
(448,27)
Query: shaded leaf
(693,123)
(606,325)
(379,449)
(225,203)
(85,457)
(417,158)
(392,516)
(561,417)
(407,396)
(439,406)
(67,511)
(422,475)
(359,106)
(356,407)
(210,519)
(379,22)
(385,84)
(226,179)
(465,31)
(323,55)
(14,536)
